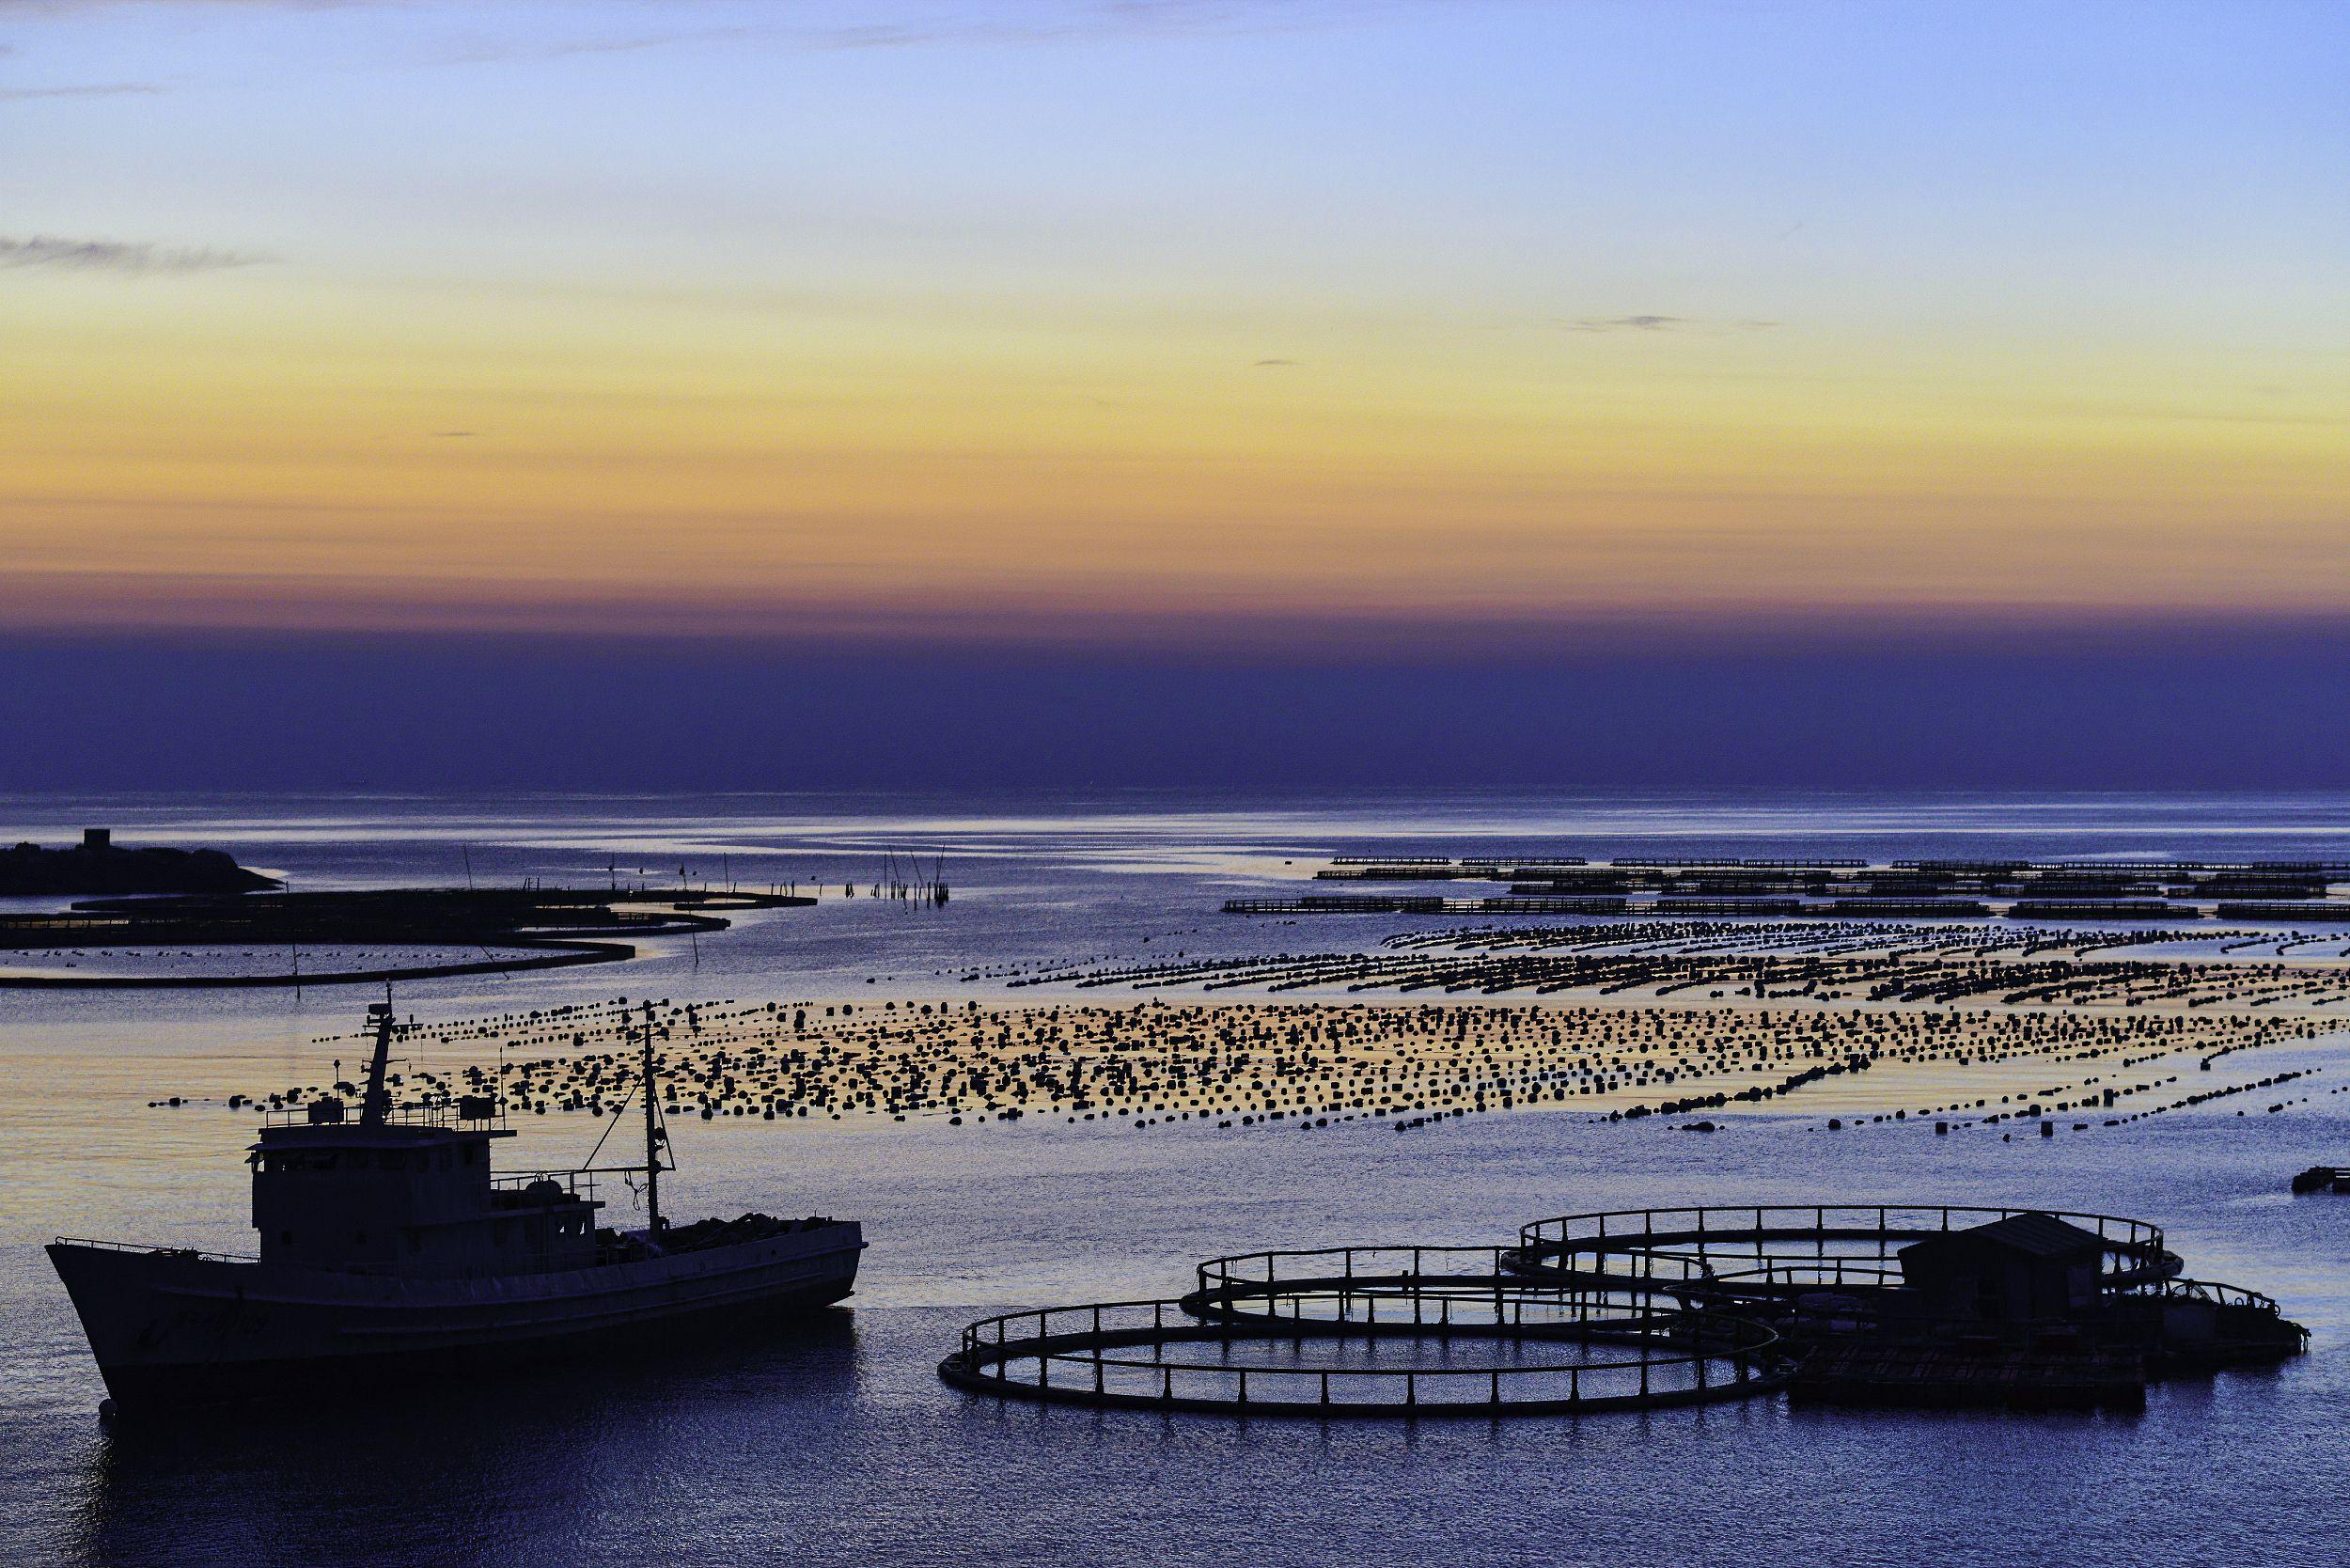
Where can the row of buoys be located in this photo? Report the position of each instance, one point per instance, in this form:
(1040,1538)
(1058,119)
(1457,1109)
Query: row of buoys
(1846,976)
(2302,880)
(1160,1062)
(1824,937)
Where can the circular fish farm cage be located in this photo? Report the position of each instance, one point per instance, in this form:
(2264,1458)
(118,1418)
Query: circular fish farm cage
(1751,1257)
(1924,1305)
(1928,1303)
(1334,1332)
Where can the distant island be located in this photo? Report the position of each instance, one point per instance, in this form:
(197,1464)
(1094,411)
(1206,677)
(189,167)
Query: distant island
(97,865)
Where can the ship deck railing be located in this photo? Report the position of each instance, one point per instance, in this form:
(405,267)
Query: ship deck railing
(2206,1290)
(433,1113)
(160,1249)
(579,1183)
(393,1269)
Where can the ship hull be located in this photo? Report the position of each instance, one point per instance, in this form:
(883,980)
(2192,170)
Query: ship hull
(176,1328)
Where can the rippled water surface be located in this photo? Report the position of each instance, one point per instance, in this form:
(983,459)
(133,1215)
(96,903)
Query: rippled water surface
(840,1445)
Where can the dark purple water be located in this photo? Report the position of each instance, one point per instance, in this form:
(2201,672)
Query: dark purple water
(842,1446)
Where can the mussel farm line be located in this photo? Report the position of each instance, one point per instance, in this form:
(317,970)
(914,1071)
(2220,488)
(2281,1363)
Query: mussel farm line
(1483,965)
(1876,1304)
(1828,889)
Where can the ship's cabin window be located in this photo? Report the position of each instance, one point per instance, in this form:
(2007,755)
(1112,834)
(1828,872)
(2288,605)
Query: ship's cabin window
(285,1238)
(391,1160)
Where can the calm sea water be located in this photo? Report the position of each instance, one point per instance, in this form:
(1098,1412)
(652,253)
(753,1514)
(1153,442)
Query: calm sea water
(840,1445)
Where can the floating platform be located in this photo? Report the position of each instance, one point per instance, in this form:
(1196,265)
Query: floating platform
(1931,1304)
(1942,1378)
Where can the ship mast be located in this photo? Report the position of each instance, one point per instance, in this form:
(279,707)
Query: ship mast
(375,1109)
(652,1138)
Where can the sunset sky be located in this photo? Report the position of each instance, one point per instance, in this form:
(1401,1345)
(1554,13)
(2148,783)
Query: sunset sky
(1219,327)
(534,314)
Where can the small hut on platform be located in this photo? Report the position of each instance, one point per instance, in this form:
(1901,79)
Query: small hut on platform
(2024,1268)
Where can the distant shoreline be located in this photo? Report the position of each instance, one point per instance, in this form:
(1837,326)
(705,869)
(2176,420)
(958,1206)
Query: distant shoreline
(545,928)
(98,867)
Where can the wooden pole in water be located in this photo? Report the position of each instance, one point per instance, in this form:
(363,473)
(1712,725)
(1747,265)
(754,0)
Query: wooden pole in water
(652,1138)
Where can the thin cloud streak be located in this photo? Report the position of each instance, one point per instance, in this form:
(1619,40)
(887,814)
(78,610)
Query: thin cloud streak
(91,89)
(944,22)
(127,258)
(962,24)
(1662,323)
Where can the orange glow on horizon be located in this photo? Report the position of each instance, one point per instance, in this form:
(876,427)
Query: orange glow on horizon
(1111,336)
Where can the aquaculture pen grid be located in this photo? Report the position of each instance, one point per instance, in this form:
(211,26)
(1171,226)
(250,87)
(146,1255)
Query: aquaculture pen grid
(1636,1353)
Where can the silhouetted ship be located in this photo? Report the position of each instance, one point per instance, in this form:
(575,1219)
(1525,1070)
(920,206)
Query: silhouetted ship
(391,1255)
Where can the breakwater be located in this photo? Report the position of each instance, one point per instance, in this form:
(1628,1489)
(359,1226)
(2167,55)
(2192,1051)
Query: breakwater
(511,928)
